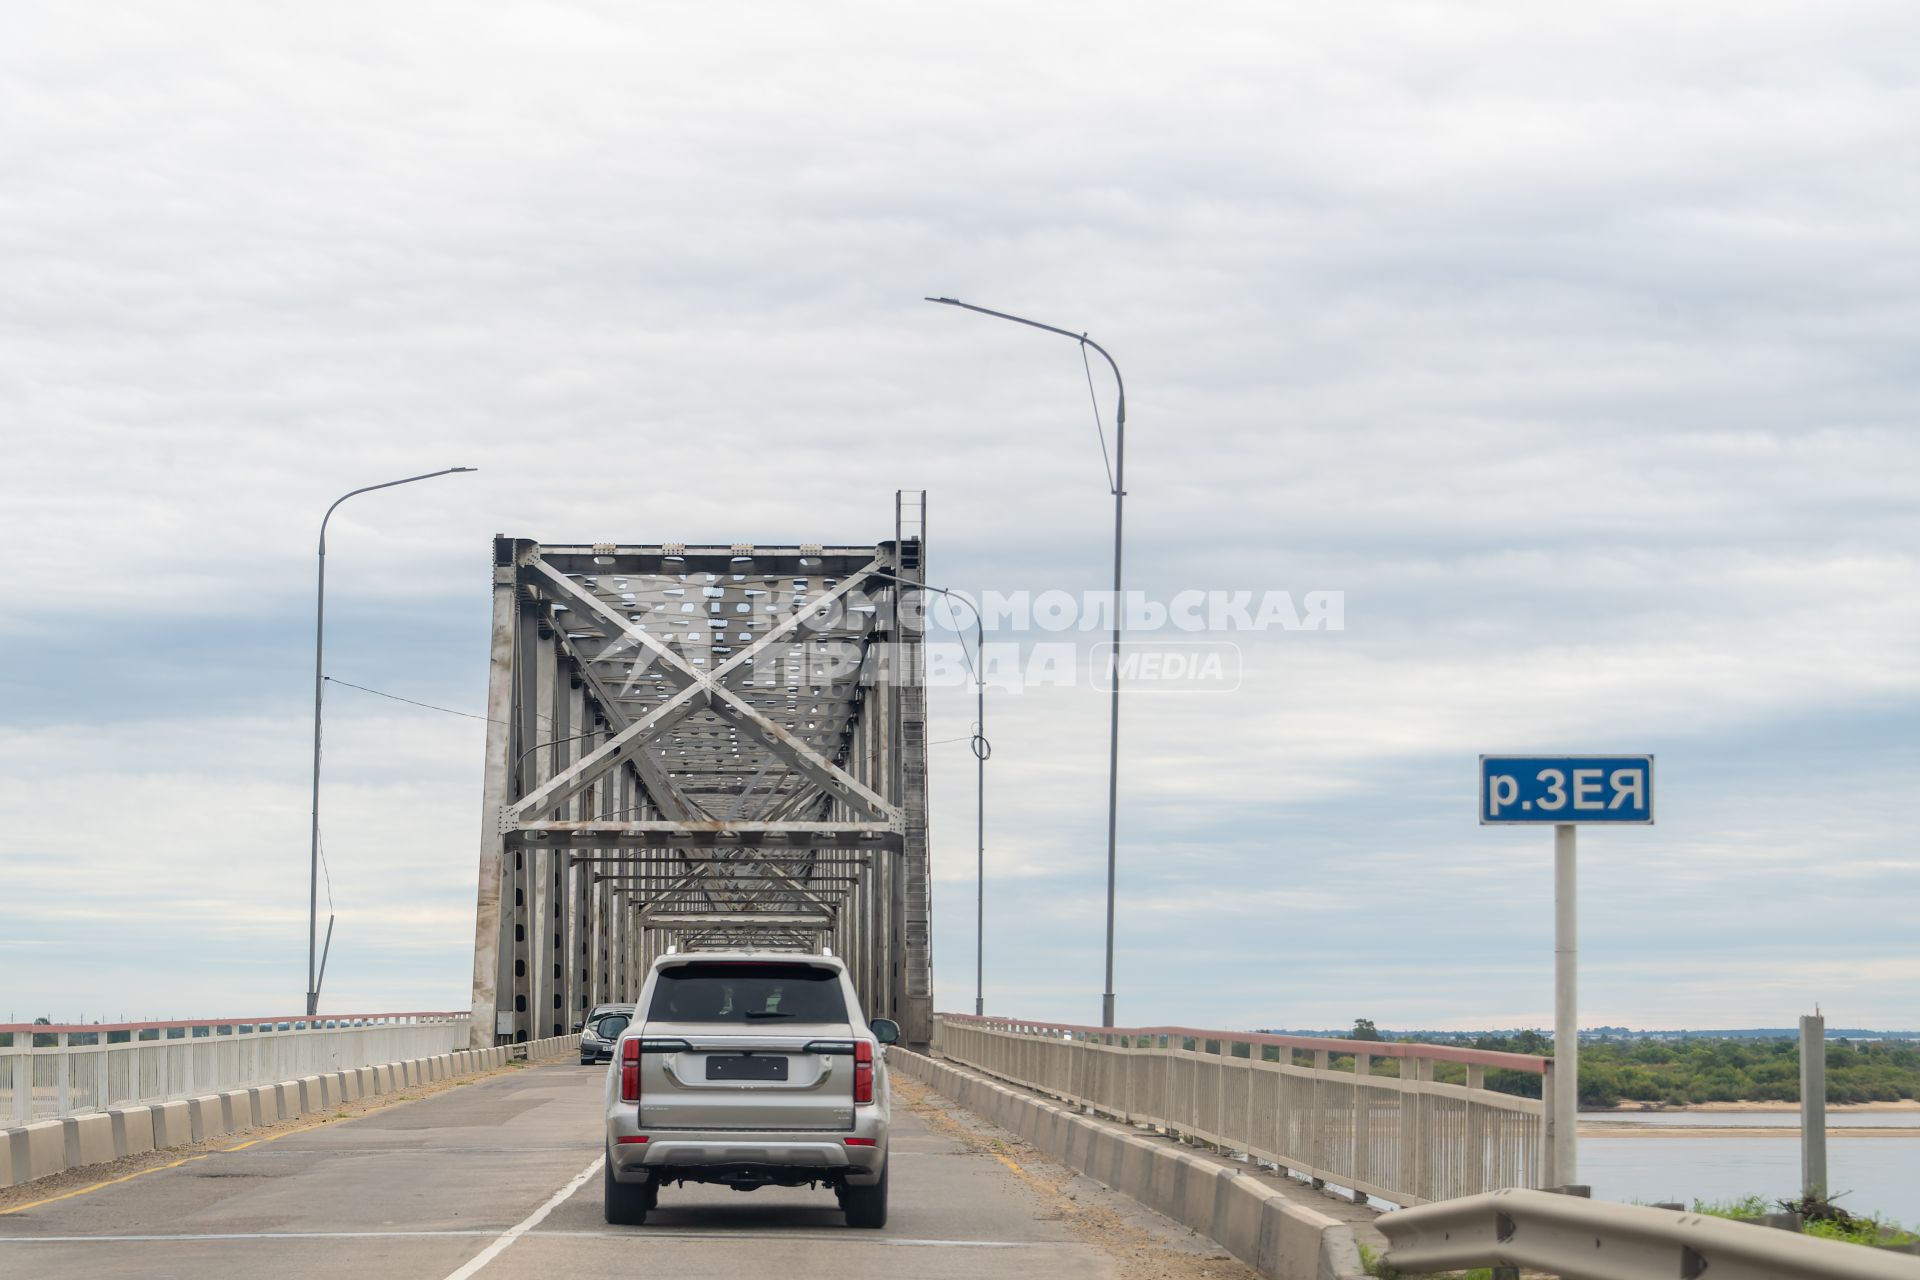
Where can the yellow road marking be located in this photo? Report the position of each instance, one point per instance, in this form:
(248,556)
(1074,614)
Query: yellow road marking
(271,1137)
(68,1195)
(275,1137)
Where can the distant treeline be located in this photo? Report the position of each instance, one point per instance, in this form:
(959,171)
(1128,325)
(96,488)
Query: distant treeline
(1676,1072)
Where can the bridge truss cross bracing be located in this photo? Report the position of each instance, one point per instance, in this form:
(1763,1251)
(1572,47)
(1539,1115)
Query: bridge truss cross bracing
(701,747)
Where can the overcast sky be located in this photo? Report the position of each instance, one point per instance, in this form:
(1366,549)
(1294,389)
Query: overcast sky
(1576,346)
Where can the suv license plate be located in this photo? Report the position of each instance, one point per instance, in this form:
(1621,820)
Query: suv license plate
(745,1066)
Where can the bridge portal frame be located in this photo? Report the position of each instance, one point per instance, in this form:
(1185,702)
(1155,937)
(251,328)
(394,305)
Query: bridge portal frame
(643,789)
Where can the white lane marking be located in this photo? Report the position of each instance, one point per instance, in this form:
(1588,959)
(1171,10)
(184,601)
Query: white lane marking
(836,1235)
(527,1223)
(247,1235)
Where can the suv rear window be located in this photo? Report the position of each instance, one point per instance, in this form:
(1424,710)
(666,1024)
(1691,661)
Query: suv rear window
(747,993)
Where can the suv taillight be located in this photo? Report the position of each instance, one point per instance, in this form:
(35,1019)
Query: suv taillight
(863,1071)
(630,1071)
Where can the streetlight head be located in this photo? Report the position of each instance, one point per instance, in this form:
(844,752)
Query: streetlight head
(952,302)
(458,470)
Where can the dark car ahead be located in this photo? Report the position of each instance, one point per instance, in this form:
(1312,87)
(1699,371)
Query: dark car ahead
(597,1040)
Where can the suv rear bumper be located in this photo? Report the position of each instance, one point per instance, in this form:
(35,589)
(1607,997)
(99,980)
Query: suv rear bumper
(667,1154)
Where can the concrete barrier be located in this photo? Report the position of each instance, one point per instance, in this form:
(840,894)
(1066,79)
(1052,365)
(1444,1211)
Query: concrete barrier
(53,1146)
(236,1108)
(172,1124)
(1248,1215)
(206,1117)
(87,1139)
(133,1131)
(46,1149)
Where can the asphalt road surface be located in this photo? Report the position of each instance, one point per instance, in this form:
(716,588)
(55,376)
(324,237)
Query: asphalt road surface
(502,1178)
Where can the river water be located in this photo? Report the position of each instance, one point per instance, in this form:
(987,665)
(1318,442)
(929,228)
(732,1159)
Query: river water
(1879,1174)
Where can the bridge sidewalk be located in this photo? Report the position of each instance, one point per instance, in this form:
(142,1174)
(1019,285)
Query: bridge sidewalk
(1280,1245)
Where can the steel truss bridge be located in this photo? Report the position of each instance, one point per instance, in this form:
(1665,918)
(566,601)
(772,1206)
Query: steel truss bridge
(699,747)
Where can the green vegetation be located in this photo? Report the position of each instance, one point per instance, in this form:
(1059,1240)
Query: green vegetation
(1699,1069)
(1861,1231)
(1684,1071)
(1821,1218)
(1743,1208)
(1381,1271)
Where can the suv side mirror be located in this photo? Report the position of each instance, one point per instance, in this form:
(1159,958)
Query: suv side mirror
(578,1026)
(885,1030)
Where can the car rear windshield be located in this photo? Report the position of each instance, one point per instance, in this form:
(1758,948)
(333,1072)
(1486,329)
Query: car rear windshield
(745,992)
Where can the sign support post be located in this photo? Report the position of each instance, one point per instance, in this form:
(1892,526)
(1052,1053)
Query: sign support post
(1565,1103)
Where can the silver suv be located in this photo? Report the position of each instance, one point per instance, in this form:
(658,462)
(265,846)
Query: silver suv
(752,1069)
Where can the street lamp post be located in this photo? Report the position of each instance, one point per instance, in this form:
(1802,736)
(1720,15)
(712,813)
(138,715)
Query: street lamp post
(1119,486)
(981,750)
(319,641)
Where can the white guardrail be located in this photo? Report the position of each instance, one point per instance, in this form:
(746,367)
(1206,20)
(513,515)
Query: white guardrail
(1405,1138)
(1593,1240)
(50,1072)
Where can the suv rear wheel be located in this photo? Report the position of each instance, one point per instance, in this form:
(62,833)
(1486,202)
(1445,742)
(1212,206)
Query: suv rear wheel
(626,1204)
(867,1206)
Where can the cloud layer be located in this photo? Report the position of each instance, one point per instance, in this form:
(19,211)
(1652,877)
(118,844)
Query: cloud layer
(1574,348)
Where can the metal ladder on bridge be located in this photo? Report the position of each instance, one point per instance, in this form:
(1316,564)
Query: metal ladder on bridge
(909,525)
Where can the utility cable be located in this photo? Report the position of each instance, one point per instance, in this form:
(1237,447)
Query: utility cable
(409,701)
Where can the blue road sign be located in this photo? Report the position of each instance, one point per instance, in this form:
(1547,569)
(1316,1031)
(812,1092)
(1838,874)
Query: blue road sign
(1548,790)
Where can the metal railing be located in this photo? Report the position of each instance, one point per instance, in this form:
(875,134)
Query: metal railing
(1592,1240)
(47,1072)
(1406,1138)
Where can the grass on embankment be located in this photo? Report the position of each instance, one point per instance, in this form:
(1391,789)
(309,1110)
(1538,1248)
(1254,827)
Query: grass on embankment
(1819,1218)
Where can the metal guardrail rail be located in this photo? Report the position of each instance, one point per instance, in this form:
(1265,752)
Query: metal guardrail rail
(50,1072)
(1583,1239)
(1407,1139)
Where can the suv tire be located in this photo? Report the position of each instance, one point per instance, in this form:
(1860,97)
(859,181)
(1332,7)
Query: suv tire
(867,1206)
(626,1204)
